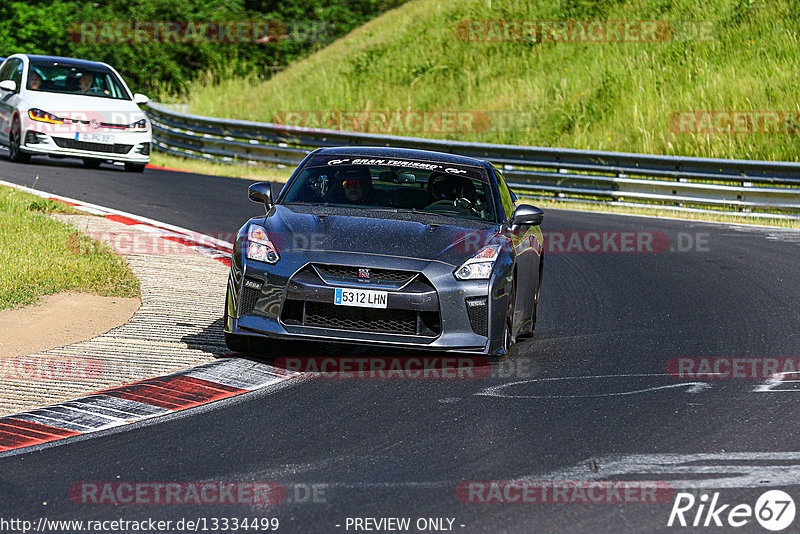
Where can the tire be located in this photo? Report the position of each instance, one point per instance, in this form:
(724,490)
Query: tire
(534,313)
(15,142)
(92,163)
(134,167)
(508,337)
(237,342)
(508,340)
(536,295)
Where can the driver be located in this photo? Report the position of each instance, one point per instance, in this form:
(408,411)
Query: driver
(34,81)
(357,185)
(353,190)
(86,82)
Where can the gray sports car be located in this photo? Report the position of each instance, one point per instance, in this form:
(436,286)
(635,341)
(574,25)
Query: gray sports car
(388,246)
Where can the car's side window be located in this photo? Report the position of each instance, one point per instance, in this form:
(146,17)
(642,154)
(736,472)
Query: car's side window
(5,71)
(16,73)
(505,194)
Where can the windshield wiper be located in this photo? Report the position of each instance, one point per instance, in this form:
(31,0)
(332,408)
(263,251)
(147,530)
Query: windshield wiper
(413,210)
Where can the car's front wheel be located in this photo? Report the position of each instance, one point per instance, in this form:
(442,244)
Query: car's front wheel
(536,294)
(508,334)
(508,340)
(237,342)
(134,167)
(92,163)
(14,143)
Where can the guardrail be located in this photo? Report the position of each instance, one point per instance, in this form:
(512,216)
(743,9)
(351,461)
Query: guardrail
(758,188)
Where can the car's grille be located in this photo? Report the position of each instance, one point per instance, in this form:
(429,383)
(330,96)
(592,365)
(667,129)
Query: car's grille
(325,315)
(478,312)
(92,147)
(356,274)
(248,300)
(374,320)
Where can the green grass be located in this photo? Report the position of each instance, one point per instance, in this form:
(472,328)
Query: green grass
(41,256)
(603,96)
(202,166)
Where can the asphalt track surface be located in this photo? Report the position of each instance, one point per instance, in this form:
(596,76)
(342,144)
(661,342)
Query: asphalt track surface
(587,398)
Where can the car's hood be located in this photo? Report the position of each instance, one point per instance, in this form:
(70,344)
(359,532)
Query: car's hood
(441,240)
(82,107)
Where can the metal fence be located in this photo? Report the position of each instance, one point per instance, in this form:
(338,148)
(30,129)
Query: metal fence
(760,188)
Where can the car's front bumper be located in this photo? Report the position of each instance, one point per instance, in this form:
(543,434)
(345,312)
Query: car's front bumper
(436,296)
(131,147)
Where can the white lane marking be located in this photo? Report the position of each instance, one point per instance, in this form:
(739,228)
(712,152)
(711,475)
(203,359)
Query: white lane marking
(499,390)
(712,470)
(776,381)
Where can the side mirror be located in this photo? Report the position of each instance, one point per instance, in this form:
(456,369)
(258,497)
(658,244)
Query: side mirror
(261,192)
(527,215)
(8,85)
(139,98)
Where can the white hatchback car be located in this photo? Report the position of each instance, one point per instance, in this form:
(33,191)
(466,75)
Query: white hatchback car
(71,107)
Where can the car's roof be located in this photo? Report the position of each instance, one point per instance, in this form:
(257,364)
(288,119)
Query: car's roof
(404,153)
(70,60)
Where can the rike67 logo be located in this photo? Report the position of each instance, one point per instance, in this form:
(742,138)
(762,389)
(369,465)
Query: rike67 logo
(774,510)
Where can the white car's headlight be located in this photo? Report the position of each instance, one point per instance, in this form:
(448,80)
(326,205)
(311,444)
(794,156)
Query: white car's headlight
(479,266)
(43,116)
(259,247)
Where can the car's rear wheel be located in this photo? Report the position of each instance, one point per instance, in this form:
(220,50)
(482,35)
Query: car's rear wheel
(14,143)
(134,167)
(92,163)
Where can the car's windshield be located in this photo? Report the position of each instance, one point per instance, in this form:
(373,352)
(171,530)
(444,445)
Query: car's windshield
(454,191)
(70,78)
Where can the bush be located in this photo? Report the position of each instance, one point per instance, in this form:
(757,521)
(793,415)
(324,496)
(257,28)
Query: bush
(52,27)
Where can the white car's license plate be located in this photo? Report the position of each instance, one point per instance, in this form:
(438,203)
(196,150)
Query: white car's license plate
(360,297)
(95,138)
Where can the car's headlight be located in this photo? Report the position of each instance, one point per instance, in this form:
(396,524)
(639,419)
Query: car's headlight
(479,266)
(139,125)
(259,247)
(43,116)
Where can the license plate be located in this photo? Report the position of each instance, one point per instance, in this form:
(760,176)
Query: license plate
(105,139)
(360,297)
